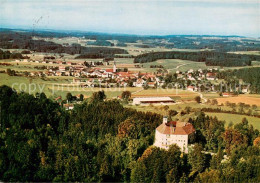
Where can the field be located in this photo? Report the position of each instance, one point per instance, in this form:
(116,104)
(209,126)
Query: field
(183,94)
(247,52)
(235,118)
(172,65)
(56,86)
(247,99)
(176,64)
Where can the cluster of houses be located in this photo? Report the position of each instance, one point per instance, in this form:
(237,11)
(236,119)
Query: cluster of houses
(198,75)
(112,77)
(89,75)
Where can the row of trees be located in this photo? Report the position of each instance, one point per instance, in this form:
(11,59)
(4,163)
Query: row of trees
(9,55)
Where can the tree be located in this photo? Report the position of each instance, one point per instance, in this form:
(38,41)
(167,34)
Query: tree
(139,173)
(257,142)
(210,176)
(214,102)
(172,113)
(166,108)
(184,178)
(81,97)
(254,107)
(10,72)
(197,159)
(42,96)
(232,139)
(145,86)
(69,97)
(127,129)
(126,95)
(98,96)
(197,99)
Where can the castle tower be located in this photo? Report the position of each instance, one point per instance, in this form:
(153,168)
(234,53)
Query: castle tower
(165,119)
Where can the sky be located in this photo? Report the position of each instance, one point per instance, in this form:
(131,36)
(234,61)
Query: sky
(144,17)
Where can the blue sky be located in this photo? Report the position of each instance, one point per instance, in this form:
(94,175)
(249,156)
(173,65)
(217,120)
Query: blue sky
(157,17)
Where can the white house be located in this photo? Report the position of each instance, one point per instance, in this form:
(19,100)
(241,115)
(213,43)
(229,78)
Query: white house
(173,132)
(190,88)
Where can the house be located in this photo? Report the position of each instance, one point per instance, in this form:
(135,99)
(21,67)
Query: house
(173,132)
(62,68)
(151,84)
(244,89)
(109,70)
(179,76)
(190,88)
(68,106)
(152,100)
(190,71)
(59,100)
(139,83)
(210,76)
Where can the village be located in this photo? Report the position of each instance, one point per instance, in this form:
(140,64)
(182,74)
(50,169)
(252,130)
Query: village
(106,74)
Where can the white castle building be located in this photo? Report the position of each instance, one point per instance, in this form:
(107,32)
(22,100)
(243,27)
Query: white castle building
(173,132)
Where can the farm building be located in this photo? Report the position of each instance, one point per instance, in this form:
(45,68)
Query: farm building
(173,132)
(226,94)
(153,100)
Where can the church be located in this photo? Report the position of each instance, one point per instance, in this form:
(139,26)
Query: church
(173,132)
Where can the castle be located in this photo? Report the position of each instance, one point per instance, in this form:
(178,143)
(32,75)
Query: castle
(173,132)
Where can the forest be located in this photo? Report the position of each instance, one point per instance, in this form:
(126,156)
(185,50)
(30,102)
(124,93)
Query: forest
(219,44)
(14,40)
(211,58)
(9,55)
(248,75)
(101,141)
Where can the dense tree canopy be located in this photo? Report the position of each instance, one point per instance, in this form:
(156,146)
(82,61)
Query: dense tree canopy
(100,140)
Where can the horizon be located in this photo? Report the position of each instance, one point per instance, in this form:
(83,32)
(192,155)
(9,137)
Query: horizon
(115,33)
(160,18)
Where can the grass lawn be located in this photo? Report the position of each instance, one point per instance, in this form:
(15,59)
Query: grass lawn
(236,118)
(56,86)
(176,64)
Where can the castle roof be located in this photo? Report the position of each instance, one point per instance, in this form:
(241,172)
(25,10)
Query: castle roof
(176,128)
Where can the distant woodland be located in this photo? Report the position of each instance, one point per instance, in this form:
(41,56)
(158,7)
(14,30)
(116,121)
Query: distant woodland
(9,39)
(12,40)
(211,58)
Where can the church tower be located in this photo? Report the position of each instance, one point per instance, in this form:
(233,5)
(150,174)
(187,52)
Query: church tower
(114,67)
